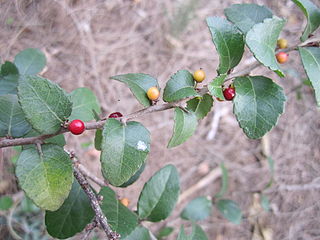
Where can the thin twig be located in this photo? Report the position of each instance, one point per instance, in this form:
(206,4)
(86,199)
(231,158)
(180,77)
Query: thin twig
(5,142)
(100,217)
(210,177)
(87,173)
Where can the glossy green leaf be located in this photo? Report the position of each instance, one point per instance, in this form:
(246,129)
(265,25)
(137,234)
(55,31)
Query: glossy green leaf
(310,57)
(201,106)
(120,218)
(124,150)
(12,118)
(159,195)
(229,43)
(258,104)
(84,102)
(140,233)
(196,234)
(9,77)
(185,125)
(139,83)
(72,217)
(46,178)
(98,139)
(164,232)
(312,13)
(179,86)
(44,103)
(225,182)
(245,16)
(134,178)
(265,204)
(230,210)
(197,209)
(30,61)
(215,87)
(6,203)
(262,40)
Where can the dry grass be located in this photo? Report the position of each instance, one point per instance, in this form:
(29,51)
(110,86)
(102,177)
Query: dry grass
(86,42)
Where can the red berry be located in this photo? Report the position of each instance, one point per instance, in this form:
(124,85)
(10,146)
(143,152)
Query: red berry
(282,57)
(76,127)
(229,93)
(115,115)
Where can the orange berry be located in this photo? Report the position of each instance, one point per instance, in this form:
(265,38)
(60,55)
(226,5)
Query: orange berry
(199,75)
(153,93)
(282,57)
(125,201)
(282,43)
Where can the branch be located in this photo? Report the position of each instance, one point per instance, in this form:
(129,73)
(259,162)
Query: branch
(100,217)
(86,172)
(5,142)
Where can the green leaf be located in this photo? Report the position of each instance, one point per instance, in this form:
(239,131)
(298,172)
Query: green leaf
(184,126)
(164,232)
(6,203)
(134,178)
(120,218)
(201,106)
(265,204)
(198,209)
(258,104)
(159,195)
(84,102)
(12,118)
(44,103)
(228,41)
(30,61)
(215,87)
(139,83)
(230,210)
(179,86)
(245,16)
(262,40)
(72,217)
(312,14)
(46,178)
(9,78)
(310,57)
(140,233)
(225,182)
(98,139)
(124,150)
(197,233)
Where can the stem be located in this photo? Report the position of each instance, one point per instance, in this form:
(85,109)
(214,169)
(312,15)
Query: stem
(100,217)
(6,142)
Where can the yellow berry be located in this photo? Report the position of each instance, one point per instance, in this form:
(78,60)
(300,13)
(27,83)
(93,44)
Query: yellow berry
(125,201)
(199,75)
(282,43)
(153,93)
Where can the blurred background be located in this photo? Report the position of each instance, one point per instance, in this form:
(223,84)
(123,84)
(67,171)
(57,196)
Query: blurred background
(87,41)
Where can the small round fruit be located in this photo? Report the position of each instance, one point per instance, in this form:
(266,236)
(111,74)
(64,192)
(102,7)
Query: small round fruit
(125,201)
(229,93)
(115,115)
(282,43)
(282,57)
(153,93)
(76,127)
(199,75)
